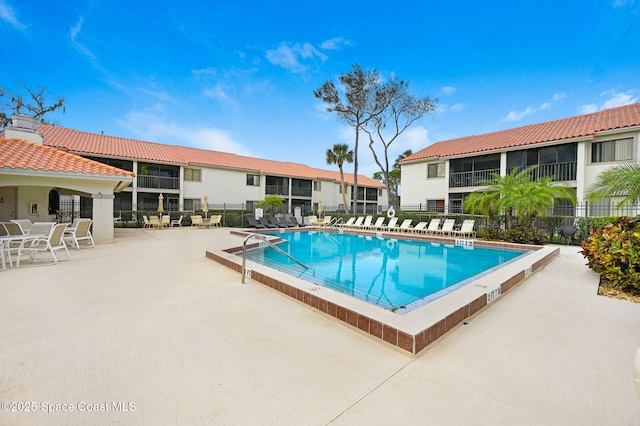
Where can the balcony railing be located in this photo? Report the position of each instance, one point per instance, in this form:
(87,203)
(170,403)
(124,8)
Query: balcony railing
(276,190)
(557,171)
(463,179)
(158,182)
(301,192)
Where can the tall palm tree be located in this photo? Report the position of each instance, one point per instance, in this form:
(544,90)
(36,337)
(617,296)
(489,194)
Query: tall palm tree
(338,155)
(622,180)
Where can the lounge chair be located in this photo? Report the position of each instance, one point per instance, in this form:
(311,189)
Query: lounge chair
(405,226)
(378,224)
(348,223)
(391,225)
(276,223)
(177,222)
(420,228)
(466,230)
(433,227)
(282,222)
(358,222)
(51,243)
(295,222)
(325,221)
(366,224)
(313,220)
(447,227)
(254,223)
(81,232)
(266,223)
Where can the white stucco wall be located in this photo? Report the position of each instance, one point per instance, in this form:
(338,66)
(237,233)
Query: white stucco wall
(224,186)
(417,188)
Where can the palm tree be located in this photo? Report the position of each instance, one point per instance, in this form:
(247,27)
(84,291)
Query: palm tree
(338,155)
(622,180)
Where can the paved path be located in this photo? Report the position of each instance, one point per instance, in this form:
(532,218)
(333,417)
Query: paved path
(148,320)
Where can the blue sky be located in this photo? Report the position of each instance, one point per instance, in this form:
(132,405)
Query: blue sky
(239,76)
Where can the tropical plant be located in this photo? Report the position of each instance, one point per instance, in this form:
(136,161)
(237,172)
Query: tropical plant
(271,201)
(613,251)
(339,155)
(622,180)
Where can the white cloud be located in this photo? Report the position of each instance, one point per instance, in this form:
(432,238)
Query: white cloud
(519,115)
(613,99)
(74,33)
(457,107)
(9,16)
(334,43)
(448,90)
(221,93)
(414,138)
(290,57)
(153,126)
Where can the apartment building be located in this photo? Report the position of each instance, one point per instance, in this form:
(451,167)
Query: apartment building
(572,150)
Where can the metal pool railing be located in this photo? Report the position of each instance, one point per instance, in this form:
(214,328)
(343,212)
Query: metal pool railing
(264,238)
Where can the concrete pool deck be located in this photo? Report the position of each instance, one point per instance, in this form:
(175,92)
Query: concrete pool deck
(147,319)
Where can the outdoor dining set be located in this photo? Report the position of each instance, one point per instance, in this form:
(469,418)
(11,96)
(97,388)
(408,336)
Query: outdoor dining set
(23,239)
(165,221)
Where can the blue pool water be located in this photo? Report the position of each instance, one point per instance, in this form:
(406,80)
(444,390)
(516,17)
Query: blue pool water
(392,273)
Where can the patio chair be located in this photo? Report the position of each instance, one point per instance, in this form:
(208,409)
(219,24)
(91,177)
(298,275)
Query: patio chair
(282,222)
(147,224)
(166,221)
(433,227)
(358,222)
(295,222)
(378,224)
(405,226)
(466,229)
(254,224)
(25,224)
(154,222)
(196,220)
(447,227)
(80,232)
(216,220)
(313,220)
(276,223)
(325,221)
(41,228)
(51,243)
(177,222)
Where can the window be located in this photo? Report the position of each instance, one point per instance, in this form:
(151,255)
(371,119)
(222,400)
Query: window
(193,175)
(191,204)
(253,180)
(600,207)
(317,186)
(435,170)
(379,192)
(435,206)
(252,205)
(614,150)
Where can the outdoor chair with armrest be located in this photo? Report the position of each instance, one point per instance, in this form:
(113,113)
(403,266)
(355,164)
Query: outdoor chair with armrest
(80,232)
(466,229)
(447,227)
(378,224)
(25,224)
(433,227)
(51,243)
(405,226)
(177,222)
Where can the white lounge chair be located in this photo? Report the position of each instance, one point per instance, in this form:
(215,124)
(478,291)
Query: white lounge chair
(166,221)
(51,243)
(196,220)
(378,224)
(147,224)
(420,228)
(216,220)
(433,227)
(466,230)
(392,225)
(367,223)
(80,232)
(447,227)
(358,222)
(177,222)
(348,223)
(405,226)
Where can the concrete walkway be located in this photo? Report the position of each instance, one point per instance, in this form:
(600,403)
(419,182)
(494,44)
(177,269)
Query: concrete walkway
(147,324)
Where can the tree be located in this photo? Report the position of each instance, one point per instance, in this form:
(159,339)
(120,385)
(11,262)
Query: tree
(338,155)
(364,98)
(35,104)
(271,201)
(403,109)
(622,180)
(392,179)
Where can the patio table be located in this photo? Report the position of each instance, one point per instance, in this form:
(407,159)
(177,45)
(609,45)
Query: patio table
(6,240)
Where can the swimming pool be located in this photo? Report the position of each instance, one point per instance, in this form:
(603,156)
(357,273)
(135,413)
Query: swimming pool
(396,274)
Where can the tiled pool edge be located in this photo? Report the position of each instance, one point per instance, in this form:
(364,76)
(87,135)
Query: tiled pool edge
(412,342)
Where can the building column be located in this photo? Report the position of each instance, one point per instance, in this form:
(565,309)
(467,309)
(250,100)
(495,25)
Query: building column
(134,185)
(102,216)
(581,166)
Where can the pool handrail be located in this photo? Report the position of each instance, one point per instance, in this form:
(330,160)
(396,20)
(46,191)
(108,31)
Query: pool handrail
(334,222)
(264,238)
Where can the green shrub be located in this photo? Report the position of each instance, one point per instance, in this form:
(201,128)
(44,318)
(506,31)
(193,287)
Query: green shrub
(522,235)
(613,251)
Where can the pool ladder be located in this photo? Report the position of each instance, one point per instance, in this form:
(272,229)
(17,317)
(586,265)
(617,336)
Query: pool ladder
(264,238)
(335,222)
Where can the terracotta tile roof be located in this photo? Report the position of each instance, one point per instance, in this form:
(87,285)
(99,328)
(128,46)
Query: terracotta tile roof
(558,130)
(111,146)
(26,155)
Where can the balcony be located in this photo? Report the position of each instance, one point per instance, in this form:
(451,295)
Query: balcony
(158,182)
(557,171)
(476,178)
(301,192)
(276,190)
